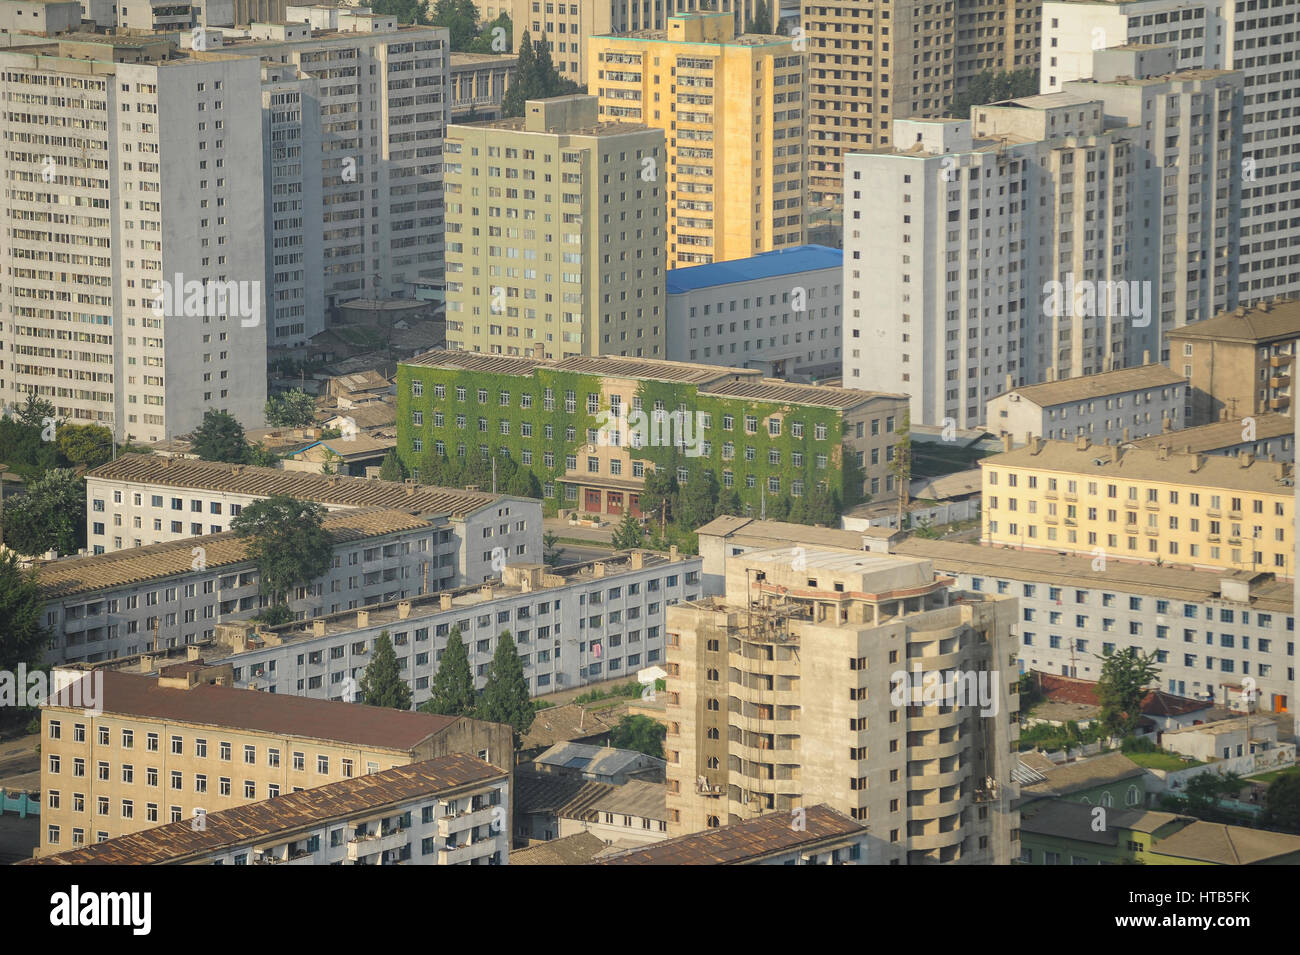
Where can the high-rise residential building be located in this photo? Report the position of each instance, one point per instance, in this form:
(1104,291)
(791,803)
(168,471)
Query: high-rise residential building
(353,166)
(567,26)
(149,183)
(734,109)
(1047,237)
(1157,505)
(555,235)
(1238,364)
(871,62)
(805,684)
(1254,36)
(590,429)
(162,748)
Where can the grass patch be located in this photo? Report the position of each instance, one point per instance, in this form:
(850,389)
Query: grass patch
(1274,775)
(1166,761)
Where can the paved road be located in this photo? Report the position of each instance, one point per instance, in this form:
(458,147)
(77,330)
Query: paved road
(565,529)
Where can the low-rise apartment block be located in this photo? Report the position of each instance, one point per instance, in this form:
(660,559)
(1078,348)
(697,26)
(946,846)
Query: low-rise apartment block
(571,625)
(586,240)
(444,811)
(777,311)
(826,837)
(170,595)
(1209,631)
(1161,506)
(1239,363)
(158,748)
(1269,436)
(574,423)
(804,685)
(143,498)
(1118,405)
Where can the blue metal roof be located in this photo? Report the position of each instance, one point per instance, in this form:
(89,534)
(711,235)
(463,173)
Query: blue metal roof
(801,258)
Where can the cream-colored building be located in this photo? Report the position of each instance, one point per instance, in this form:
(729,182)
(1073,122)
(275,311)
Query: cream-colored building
(561,192)
(789,691)
(1150,504)
(734,109)
(163,748)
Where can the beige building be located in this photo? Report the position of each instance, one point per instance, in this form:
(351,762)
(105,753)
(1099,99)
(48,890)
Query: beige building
(586,238)
(1150,504)
(165,747)
(734,109)
(1239,363)
(803,685)
(566,26)
(856,88)
(478,84)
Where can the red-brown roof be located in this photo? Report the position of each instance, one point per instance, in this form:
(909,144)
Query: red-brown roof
(1065,689)
(135,695)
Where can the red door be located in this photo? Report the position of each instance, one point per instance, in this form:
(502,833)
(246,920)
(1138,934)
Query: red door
(615,499)
(634,504)
(591,501)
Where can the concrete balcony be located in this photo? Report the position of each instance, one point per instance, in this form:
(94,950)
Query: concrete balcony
(464,820)
(376,842)
(936,721)
(938,780)
(461,855)
(938,810)
(1279,361)
(938,840)
(938,750)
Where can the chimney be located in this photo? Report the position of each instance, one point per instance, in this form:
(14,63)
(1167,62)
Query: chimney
(1081,443)
(1241,311)
(486,591)
(636,560)
(1126,435)
(192,652)
(1006,440)
(1162,452)
(1223,414)
(1011,382)
(539,352)
(1146,357)
(318,627)
(1245,458)
(598,569)
(672,553)
(444,601)
(363,618)
(403,609)
(410,489)
(1029,439)
(167,462)
(1037,444)
(1166,425)
(1198,460)
(236,469)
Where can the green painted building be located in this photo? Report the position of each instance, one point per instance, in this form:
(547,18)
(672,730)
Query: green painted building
(583,432)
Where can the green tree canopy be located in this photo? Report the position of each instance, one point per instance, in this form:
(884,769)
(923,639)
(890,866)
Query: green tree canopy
(220,438)
(762,21)
(391,469)
(22,638)
(406,11)
(37,412)
(991,86)
(505,696)
(50,515)
(551,549)
(698,500)
(382,683)
(85,445)
(1282,804)
(640,733)
(292,409)
(497,37)
(460,17)
(535,78)
(453,692)
(287,540)
(1125,676)
(628,534)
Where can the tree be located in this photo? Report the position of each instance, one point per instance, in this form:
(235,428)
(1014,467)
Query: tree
(1121,687)
(391,469)
(37,412)
(901,463)
(220,438)
(728,503)
(628,534)
(524,483)
(505,696)
(406,11)
(460,17)
(1282,804)
(274,615)
(453,685)
(658,495)
(85,445)
(778,508)
(496,37)
(293,409)
(287,540)
(551,549)
(22,638)
(640,733)
(382,683)
(535,78)
(762,22)
(259,455)
(821,507)
(992,87)
(698,500)
(51,515)
(331,462)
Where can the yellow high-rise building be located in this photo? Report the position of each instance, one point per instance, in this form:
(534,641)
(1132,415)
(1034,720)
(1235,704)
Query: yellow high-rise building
(733,109)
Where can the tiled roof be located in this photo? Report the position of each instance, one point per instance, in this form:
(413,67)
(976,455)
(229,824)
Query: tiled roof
(1052,393)
(765,265)
(1227,845)
(1085,774)
(577,849)
(179,842)
(80,575)
(652,369)
(571,721)
(598,760)
(1258,323)
(476,361)
(771,389)
(1220,434)
(264,482)
(142,697)
(550,792)
(645,800)
(1075,820)
(1141,464)
(744,842)
(1065,689)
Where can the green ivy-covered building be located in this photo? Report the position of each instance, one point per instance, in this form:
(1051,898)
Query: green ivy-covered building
(583,432)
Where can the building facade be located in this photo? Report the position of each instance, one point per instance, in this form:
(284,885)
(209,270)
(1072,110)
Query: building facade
(167,499)
(84,324)
(1245,36)
(735,170)
(572,626)
(478,84)
(445,811)
(167,745)
(786,693)
(565,27)
(588,235)
(573,423)
(792,328)
(1164,506)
